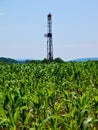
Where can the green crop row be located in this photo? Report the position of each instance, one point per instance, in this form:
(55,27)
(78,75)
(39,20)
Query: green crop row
(53,96)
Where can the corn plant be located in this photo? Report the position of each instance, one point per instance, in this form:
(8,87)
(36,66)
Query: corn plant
(53,96)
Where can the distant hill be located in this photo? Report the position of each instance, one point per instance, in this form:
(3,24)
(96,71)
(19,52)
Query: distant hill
(11,61)
(85,59)
(8,60)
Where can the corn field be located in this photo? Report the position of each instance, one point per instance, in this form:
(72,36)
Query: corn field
(53,96)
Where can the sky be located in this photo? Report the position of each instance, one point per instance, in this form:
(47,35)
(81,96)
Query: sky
(23,24)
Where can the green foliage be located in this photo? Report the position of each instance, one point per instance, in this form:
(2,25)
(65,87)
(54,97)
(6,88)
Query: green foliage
(58,60)
(54,96)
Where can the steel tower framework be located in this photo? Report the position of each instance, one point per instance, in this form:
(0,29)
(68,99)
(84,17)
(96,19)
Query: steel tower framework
(49,38)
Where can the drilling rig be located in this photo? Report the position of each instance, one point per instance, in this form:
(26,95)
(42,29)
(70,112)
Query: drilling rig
(49,38)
